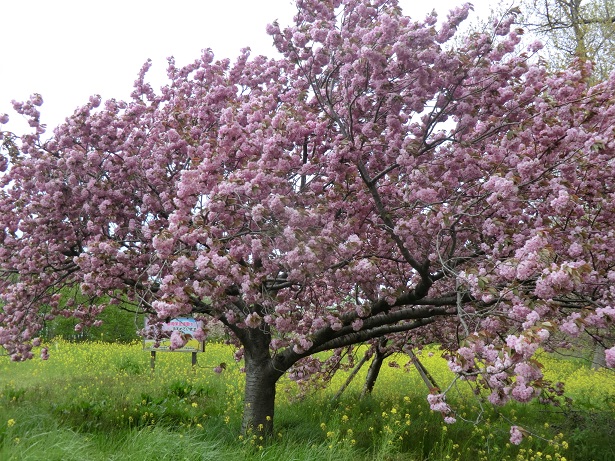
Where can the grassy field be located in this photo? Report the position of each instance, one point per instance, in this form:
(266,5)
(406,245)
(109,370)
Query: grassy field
(100,401)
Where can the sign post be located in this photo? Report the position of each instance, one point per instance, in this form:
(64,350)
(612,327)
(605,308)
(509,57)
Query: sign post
(187,326)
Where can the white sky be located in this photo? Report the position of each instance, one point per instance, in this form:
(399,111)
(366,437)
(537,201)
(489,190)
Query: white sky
(67,50)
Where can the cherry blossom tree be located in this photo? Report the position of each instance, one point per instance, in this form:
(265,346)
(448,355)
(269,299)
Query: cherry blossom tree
(375,181)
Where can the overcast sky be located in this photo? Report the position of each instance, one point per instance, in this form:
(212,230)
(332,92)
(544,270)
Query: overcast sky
(67,50)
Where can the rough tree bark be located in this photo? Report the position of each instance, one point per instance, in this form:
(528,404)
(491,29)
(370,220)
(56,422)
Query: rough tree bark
(259,397)
(261,379)
(374,369)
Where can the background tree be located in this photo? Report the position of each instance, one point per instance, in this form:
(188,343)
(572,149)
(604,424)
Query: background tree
(374,181)
(575,29)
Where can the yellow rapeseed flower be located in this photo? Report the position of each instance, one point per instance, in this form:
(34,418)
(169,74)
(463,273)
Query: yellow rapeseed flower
(10,422)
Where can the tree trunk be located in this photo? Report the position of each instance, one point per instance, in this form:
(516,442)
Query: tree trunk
(261,379)
(259,401)
(372,373)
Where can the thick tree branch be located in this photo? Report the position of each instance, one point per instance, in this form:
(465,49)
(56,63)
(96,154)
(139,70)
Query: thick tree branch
(366,335)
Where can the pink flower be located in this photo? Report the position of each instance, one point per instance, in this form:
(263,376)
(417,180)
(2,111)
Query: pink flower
(515,435)
(523,393)
(572,325)
(319,323)
(497,399)
(531,319)
(253,320)
(165,310)
(4,118)
(561,201)
(95,100)
(437,403)
(543,334)
(303,345)
(526,268)
(283,324)
(230,317)
(177,340)
(609,355)
(500,186)
(220,368)
(199,334)
(36,99)
(575,250)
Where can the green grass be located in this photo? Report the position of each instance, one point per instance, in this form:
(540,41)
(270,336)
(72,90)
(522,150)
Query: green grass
(99,401)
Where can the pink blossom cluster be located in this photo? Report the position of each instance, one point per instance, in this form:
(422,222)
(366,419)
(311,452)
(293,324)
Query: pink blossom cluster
(437,402)
(516,435)
(253,320)
(178,340)
(609,355)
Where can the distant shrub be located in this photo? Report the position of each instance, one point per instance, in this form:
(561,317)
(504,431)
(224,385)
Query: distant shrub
(117,326)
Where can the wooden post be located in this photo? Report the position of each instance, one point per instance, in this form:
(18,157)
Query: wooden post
(152,360)
(351,377)
(427,378)
(193,359)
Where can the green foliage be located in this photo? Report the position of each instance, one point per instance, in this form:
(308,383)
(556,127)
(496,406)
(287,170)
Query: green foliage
(129,365)
(101,401)
(118,326)
(119,323)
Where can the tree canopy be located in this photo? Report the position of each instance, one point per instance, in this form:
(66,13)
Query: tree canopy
(376,180)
